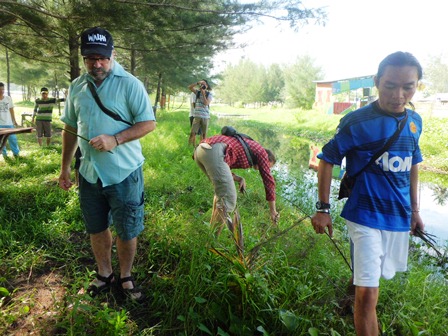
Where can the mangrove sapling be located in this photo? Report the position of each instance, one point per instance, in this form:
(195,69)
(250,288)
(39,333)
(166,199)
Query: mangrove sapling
(430,241)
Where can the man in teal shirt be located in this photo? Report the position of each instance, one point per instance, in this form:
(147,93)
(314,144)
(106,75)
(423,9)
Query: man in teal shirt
(110,175)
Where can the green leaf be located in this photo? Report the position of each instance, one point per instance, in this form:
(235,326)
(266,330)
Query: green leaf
(413,328)
(222,332)
(4,291)
(313,331)
(261,329)
(334,333)
(199,299)
(25,309)
(204,329)
(289,319)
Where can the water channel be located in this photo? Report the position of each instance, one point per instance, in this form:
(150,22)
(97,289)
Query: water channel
(434,210)
(433,200)
(301,182)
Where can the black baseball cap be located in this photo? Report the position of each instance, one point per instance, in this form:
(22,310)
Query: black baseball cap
(44,89)
(96,40)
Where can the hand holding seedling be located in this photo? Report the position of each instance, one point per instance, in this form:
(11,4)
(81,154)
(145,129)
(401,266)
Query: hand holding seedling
(242,186)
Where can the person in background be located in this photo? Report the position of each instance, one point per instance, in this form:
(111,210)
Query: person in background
(383,206)
(201,114)
(8,120)
(43,114)
(217,156)
(111,188)
(192,107)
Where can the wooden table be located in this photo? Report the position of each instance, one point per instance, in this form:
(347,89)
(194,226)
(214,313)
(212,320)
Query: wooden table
(6,132)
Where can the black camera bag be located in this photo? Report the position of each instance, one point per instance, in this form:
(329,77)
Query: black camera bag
(231,131)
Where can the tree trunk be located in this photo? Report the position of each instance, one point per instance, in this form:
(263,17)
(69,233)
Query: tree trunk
(73,45)
(163,98)
(133,61)
(8,73)
(159,84)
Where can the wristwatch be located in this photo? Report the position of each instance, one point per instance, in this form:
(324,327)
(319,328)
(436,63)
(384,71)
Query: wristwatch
(322,205)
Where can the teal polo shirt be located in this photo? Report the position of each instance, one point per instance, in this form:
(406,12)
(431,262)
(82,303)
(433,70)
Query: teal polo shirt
(122,93)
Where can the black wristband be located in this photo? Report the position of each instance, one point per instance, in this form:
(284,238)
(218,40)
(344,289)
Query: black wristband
(116,139)
(322,205)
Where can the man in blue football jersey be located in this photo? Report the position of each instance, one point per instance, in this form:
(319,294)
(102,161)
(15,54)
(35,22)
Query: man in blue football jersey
(383,206)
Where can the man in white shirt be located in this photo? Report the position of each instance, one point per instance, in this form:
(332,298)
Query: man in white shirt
(8,120)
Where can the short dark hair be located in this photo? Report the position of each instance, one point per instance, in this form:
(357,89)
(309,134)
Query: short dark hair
(2,84)
(399,59)
(208,85)
(271,156)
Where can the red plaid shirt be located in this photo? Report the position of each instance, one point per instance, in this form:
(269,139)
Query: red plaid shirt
(236,158)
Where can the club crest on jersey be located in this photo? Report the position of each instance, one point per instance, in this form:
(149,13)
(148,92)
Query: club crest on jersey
(413,127)
(394,164)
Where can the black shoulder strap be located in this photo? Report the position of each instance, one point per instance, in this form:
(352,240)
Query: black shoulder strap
(245,136)
(250,155)
(111,114)
(198,94)
(389,143)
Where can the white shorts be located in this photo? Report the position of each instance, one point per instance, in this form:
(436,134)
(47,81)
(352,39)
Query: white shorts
(377,253)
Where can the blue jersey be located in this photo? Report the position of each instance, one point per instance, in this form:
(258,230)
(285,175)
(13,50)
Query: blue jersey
(380,198)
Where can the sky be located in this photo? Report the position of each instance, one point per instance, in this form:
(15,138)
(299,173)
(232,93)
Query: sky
(357,36)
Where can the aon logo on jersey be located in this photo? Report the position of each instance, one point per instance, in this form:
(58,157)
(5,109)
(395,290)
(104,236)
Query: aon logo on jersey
(394,164)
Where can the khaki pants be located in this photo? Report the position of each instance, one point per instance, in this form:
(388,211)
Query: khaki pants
(210,158)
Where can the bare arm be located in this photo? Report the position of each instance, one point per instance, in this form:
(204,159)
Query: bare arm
(322,220)
(69,145)
(324,176)
(192,88)
(36,106)
(13,117)
(206,100)
(273,212)
(241,181)
(105,142)
(416,221)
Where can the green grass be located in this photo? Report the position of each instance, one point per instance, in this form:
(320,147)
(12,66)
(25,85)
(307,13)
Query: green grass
(25,104)
(292,288)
